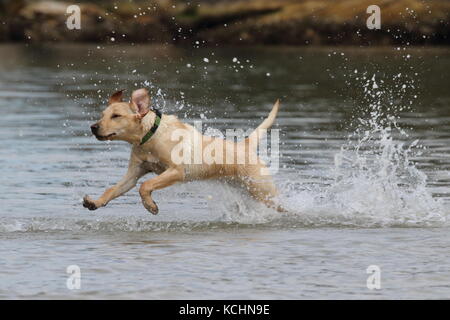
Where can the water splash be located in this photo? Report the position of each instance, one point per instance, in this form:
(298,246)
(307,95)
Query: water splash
(375,182)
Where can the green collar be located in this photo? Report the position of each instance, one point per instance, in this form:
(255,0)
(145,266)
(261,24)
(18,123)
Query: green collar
(158,116)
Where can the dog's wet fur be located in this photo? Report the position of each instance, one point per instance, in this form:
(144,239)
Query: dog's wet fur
(130,121)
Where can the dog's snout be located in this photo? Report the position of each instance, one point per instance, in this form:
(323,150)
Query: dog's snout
(94,128)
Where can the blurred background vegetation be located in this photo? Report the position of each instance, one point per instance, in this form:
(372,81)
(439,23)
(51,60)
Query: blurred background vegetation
(208,22)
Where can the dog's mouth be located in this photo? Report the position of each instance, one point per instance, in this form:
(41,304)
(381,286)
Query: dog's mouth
(107,137)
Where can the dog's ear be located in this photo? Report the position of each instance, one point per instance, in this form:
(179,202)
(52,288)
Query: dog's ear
(116,97)
(141,101)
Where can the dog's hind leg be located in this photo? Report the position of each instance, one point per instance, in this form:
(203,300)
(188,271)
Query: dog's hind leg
(165,179)
(260,186)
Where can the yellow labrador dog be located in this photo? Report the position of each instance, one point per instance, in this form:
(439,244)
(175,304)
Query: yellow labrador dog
(168,147)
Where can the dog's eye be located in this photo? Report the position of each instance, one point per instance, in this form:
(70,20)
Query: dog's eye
(115,116)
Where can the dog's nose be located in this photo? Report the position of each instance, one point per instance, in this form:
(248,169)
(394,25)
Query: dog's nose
(94,128)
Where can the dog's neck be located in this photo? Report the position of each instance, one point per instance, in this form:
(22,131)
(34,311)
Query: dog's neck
(149,125)
(147,121)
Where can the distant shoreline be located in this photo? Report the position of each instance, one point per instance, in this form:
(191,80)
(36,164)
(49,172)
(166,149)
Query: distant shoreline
(251,22)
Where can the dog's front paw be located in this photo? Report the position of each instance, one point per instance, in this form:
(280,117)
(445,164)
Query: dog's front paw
(150,206)
(89,203)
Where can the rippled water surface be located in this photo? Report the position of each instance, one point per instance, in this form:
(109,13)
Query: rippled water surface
(364,174)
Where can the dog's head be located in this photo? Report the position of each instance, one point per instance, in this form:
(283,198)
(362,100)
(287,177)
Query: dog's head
(122,120)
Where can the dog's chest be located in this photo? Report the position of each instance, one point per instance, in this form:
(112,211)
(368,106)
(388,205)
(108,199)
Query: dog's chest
(153,166)
(150,162)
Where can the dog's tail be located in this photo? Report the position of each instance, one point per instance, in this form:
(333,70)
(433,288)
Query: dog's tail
(254,138)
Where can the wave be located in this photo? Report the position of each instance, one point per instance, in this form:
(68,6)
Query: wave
(107,224)
(308,214)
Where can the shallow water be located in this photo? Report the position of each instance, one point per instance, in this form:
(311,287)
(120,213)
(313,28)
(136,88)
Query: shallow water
(356,197)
